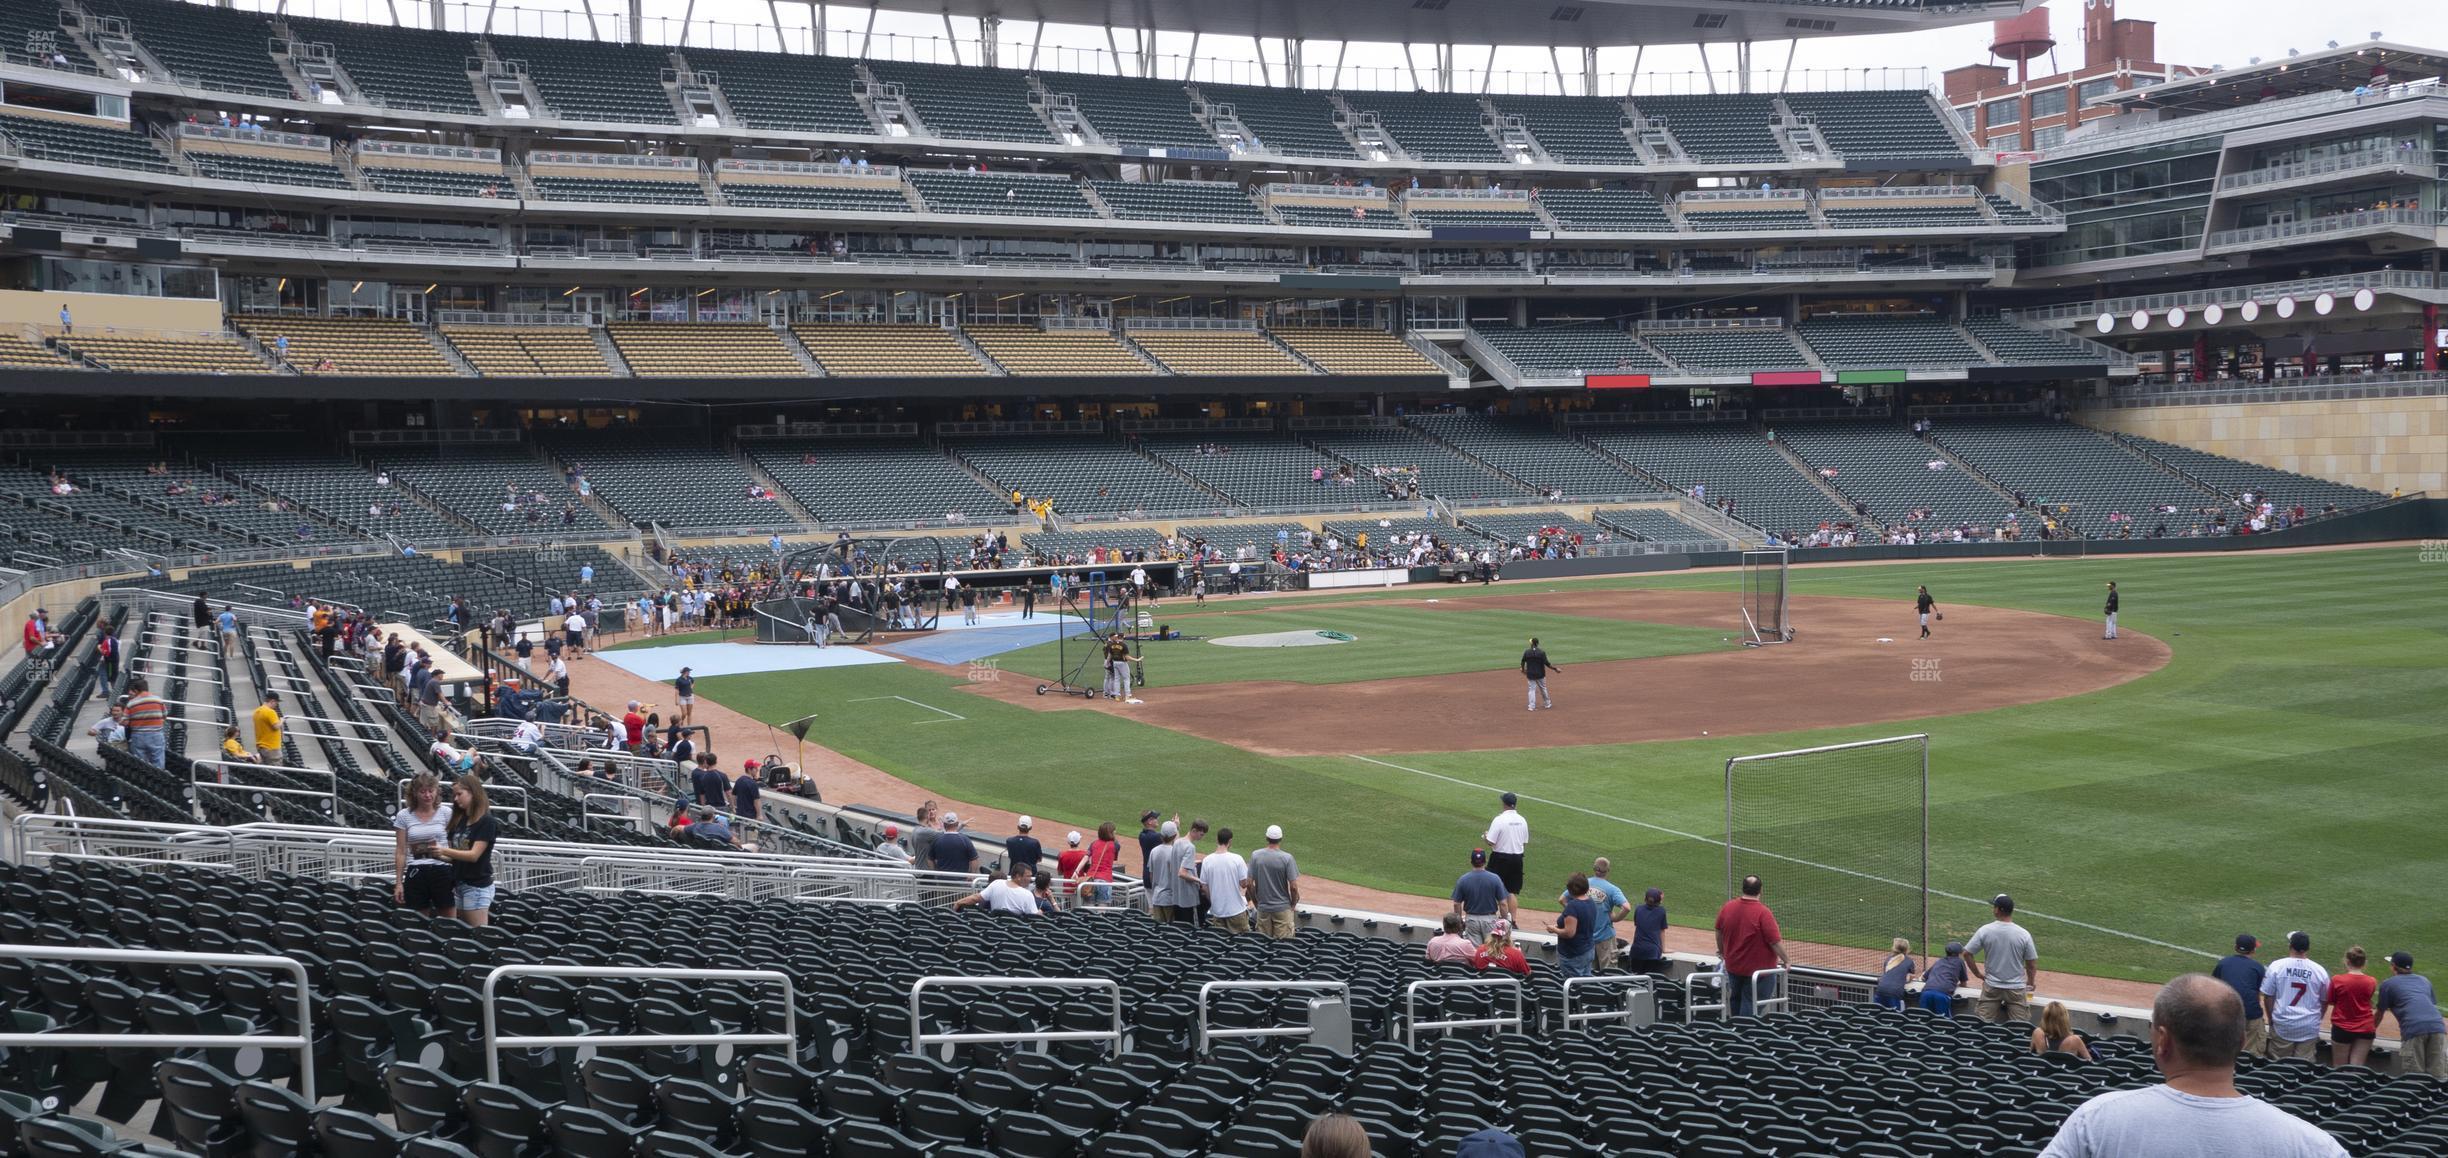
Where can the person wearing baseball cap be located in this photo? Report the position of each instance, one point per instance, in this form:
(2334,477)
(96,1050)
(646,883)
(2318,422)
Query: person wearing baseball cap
(1944,976)
(1149,838)
(2013,963)
(1648,951)
(2407,995)
(1023,848)
(1499,952)
(1481,897)
(1274,886)
(890,846)
(1163,867)
(1067,864)
(2240,970)
(2294,994)
(953,851)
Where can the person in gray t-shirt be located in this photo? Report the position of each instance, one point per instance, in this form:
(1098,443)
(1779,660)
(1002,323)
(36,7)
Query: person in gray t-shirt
(2408,995)
(2008,959)
(1274,885)
(1160,877)
(2197,1027)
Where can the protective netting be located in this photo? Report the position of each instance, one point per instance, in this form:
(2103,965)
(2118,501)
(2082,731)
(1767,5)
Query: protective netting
(1840,838)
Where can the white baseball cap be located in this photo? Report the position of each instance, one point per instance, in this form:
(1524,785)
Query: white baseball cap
(1025,823)
(951,818)
(1074,838)
(1274,832)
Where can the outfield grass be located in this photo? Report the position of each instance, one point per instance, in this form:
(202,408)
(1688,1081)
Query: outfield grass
(2281,773)
(1389,641)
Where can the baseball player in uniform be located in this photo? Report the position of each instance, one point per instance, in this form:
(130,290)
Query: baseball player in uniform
(2111,610)
(1926,606)
(1534,666)
(1118,668)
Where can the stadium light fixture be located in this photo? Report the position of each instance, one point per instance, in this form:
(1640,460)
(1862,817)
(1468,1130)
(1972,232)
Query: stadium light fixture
(570,292)
(431,288)
(705,291)
(639,290)
(280,285)
(358,288)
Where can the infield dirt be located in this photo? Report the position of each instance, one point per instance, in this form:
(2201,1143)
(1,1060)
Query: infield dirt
(1836,673)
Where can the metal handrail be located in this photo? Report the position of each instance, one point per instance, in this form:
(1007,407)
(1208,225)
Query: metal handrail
(1784,999)
(302,1041)
(1207,1035)
(1412,1024)
(494,1043)
(919,1039)
(1639,982)
(1693,1007)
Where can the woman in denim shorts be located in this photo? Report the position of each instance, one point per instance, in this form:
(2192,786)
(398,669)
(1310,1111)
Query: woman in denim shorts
(473,832)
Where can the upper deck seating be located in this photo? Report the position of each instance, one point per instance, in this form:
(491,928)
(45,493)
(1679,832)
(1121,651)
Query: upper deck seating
(591,80)
(1129,112)
(793,92)
(964,103)
(397,67)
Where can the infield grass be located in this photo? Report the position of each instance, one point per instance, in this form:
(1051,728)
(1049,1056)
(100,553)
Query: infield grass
(2284,771)
(1390,640)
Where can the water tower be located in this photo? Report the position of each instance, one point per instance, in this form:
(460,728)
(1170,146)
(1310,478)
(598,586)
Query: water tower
(2022,38)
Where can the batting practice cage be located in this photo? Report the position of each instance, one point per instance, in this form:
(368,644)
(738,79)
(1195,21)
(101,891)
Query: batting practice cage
(1104,606)
(1840,838)
(1763,598)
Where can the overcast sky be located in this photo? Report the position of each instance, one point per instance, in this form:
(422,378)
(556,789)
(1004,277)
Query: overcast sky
(2197,32)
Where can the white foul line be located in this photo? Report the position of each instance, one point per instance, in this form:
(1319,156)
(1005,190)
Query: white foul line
(912,703)
(1788,859)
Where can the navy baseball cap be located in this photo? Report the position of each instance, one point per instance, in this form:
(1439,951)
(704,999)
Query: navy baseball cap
(1478,856)
(1509,799)
(2246,942)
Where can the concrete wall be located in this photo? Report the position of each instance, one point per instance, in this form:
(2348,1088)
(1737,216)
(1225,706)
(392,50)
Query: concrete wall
(2384,444)
(95,313)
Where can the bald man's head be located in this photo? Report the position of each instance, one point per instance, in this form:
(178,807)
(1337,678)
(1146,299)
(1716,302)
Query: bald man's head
(2199,1020)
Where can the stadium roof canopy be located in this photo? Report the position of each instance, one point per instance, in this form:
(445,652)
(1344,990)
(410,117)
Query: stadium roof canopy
(1529,23)
(2341,69)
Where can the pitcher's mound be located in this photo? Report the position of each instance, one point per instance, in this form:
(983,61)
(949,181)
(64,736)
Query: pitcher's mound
(1283,639)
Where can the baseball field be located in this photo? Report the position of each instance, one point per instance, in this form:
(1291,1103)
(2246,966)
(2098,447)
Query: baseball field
(2262,751)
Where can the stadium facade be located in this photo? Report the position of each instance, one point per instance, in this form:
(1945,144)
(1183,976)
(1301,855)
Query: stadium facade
(405,237)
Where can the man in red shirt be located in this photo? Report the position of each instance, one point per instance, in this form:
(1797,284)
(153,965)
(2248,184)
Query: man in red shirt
(633,727)
(34,632)
(1748,941)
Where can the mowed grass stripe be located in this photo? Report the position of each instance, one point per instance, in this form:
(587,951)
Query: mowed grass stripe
(2281,773)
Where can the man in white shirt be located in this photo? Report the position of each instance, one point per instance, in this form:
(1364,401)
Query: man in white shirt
(2295,993)
(1226,877)
(2197,1027)
(573,633)
(527,735)
(1013,896)
(1508,837)
(1138,578)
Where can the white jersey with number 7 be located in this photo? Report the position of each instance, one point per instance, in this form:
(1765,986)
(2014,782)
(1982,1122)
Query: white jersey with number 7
(2300,988)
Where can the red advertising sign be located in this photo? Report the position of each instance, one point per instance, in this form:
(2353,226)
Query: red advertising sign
(1616,381)
(1786,378)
